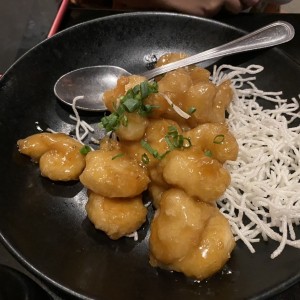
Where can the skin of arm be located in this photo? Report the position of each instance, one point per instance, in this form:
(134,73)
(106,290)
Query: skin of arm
(204,8)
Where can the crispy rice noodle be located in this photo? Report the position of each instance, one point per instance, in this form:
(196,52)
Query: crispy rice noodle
(263,199)
(79,123)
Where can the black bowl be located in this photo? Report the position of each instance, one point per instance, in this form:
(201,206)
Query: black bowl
(44,223)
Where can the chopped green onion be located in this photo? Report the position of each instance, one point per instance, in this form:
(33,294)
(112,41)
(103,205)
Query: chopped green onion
(152,151)
(125,121)
(147,109)
(131,104)
(85,150)
(132,101)
(176,140)
(148,147)
(110,122)
(191,110)
(144,89)
(208,153)
(172,131)
(117,156)
(219,139)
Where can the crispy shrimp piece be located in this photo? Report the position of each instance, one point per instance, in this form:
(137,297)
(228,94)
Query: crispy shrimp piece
(58,155)
(189,236)
(169,58)
(161,106)
(124,83)
(133,81)
(209,102)
(198,175)
(154,135)
(176,227)
(221,101)
(134,129)
(199,97)
(117,217)
(111,173)
(156,191)
(173,86)
(110,97)
(134,150)
(215,138)
(156,132)
(214,250)
(198,74)
(177,82)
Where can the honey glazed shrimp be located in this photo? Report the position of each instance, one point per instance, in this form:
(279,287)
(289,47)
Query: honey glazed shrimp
(171,141)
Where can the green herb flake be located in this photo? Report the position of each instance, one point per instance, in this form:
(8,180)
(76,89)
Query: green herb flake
(125,121)
(152,151)
(111,122)
(117,156)
(132,101)
(208,153)
(85,150)
(176,140)
(219,139)
(131,104)
(191,110)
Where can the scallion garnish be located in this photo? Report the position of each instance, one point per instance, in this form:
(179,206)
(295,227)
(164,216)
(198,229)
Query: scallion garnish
(132,101)
(219,139)
(131,104)
(173,139)
(125,121)
(117,156)
(176,140)
(191,110)
(85,150)
(152,151)
(208,153)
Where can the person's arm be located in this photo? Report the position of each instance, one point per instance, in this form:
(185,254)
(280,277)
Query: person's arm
(206,8)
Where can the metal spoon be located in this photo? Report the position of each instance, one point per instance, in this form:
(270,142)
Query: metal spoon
(92,81)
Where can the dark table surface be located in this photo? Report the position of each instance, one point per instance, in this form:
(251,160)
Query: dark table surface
(24,23)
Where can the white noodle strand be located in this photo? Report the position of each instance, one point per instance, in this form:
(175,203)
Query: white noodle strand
(263,200)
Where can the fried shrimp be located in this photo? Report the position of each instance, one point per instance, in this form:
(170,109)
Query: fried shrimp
(189,236)
(198,175)
(117,217)
(134,129)
(124,83)
(169,138)
(215,139)
(111,173)
(58,155)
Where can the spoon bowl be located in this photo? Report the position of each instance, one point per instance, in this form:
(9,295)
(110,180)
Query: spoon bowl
(92,82)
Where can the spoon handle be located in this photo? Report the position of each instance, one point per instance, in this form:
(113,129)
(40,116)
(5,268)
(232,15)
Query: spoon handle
(271,35)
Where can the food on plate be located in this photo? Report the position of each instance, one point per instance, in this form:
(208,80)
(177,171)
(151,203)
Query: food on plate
(158,139)
(189,236)
(110,173)
(169,137)
(215,138)
(195,173)
(117,217)
(58,155)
